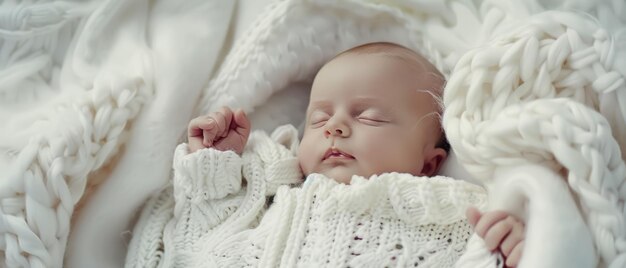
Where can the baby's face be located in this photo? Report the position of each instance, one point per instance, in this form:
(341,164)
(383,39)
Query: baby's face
(366,117)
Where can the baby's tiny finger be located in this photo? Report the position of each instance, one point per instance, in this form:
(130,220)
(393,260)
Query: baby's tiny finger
(497,233)
(207,123)
(513,259)
(228,119)
(194,129)
(487,220)
(222,128)
(209,137)
(515,236)
(242,122)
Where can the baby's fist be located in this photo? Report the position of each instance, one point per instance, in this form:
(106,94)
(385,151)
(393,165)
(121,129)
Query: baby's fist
(222,130)
(500,231)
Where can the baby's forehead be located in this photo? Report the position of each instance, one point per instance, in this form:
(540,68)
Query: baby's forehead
(392,66)
(392,51)
(399,60)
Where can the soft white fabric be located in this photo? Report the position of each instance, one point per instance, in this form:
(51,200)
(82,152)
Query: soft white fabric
(91,68)
(73,74)
(175,33)
(544,103)
(210,220)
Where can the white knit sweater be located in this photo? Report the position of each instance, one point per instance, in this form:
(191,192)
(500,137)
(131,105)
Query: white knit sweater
(212,219)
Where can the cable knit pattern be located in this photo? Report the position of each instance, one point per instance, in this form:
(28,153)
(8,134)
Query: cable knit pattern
(388,220)
(224,169)
(151,223)
(209,199)
(201,182)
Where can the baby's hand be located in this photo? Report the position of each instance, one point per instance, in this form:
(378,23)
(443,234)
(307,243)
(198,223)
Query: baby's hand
(500,231)
(223,130)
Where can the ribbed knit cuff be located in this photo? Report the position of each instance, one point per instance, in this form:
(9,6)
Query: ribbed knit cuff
(206,173)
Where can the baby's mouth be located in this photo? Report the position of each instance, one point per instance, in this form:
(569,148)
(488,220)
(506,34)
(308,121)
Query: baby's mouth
(334,153)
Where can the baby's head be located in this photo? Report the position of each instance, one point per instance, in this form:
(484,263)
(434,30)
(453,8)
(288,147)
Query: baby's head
(373,109)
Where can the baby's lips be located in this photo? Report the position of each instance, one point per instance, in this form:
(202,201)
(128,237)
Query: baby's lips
(332,151)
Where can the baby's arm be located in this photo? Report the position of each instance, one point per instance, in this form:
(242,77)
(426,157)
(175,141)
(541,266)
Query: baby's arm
(206,190)
(208,173)
(500,231)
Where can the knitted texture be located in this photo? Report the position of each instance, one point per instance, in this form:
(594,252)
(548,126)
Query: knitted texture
(190,173)
(66,143)
(53,169)
(375,222)
(201,181)
(63,63)
(151,223)
(209,198)
(73,75)
(387,220)
(547,94)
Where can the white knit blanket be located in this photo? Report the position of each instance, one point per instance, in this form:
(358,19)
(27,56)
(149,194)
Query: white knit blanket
(98,93)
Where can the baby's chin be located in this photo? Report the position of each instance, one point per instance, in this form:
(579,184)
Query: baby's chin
(340,174)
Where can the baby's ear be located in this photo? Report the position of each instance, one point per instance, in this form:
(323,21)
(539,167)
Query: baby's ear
(433,160)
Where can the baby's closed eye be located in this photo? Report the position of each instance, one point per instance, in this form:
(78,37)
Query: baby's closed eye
(371,121)
(372,118)
(318,118)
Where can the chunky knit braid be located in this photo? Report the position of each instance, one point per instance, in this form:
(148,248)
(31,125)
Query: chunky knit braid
(49,173)
(538,95)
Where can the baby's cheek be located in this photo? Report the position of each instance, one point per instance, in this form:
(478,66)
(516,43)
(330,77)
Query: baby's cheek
(305,158)
(392,154)
(375,155)
(378,144)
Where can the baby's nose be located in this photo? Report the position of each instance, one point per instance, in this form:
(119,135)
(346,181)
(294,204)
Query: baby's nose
(338,131)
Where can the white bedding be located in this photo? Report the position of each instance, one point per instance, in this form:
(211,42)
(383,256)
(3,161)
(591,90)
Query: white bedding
(73,75)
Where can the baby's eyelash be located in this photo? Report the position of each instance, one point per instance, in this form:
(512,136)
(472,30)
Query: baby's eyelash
(318,123)
(371,121)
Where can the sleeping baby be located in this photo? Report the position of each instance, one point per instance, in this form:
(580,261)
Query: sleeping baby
(371,197)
